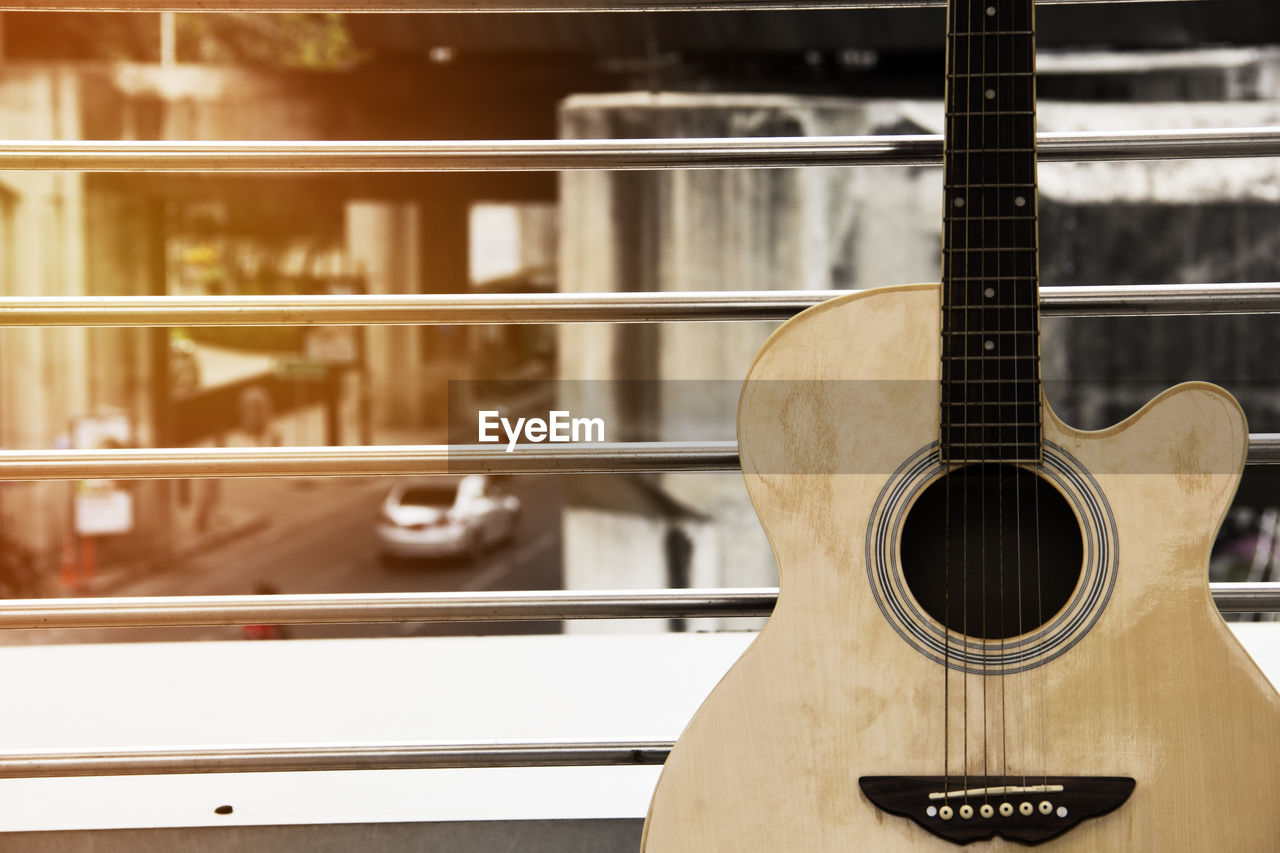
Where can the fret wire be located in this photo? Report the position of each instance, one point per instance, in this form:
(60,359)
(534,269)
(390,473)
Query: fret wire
(1004,249)
(990,332)
(1031,217)
(956,151)
(992,33)
(988,185)
(957,403)
(987,357)
(992,380)
(987,424)
(997,443)
(985,113)
(1012,279)
(957,74)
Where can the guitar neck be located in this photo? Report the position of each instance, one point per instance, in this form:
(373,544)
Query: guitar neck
(990,320)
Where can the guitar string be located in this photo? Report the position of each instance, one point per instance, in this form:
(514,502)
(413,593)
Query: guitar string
(1017,481)
(1044,747)
(1033,203)
(946,629)
(999,177)
(964,470)
(983,196)
(953,163)
(948,301)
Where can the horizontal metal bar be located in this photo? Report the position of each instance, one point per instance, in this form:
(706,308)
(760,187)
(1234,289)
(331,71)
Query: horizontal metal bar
(373,608)
(643,307)
(398,460)
(342,608)
(425,309)
(565,154)
(1246,597)
(485,6)
(290,758)
(163,463)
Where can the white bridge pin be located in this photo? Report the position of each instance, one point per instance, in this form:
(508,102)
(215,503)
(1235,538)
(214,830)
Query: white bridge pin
(1026,808)
(1045,807)
(966,811)
(986,810)
(945,812)
(1006,809)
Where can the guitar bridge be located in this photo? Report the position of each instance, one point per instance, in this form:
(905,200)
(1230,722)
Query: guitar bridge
(1026,809)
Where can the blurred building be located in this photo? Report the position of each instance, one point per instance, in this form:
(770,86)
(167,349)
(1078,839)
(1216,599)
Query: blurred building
(110,234)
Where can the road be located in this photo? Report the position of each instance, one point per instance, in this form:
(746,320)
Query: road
(329,547)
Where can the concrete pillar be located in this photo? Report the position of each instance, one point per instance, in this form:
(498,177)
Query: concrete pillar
(42,241)
(382,242)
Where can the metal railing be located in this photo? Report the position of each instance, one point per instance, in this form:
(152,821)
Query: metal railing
(569,154)
(399,607)
(614,307)
(352,756)
(486,6)
(406,460)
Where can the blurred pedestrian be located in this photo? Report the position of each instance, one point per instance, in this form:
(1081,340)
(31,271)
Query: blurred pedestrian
(265,632)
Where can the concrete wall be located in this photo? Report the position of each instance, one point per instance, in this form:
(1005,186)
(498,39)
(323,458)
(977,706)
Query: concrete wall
(605,549)
(744,229)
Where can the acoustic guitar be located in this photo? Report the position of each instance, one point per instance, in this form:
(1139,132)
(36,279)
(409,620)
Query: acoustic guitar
(992,627)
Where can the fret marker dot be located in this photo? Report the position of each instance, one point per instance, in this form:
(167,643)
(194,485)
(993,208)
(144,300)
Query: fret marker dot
(989,292)
(990,93)
(1019,201)
(991,10)
(959,202)
(988,345)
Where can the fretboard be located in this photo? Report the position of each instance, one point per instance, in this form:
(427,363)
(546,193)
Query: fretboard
(990,317)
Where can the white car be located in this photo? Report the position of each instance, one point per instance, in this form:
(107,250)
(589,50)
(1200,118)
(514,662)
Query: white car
(445,517)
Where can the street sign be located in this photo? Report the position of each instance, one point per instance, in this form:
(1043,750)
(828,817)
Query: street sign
(102,509)
(101,431)
(300,368)
(336,345)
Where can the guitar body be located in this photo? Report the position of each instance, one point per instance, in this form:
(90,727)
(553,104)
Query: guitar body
(1149,684)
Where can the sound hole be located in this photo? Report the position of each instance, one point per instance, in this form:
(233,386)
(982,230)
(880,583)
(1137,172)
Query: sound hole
(991,551)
